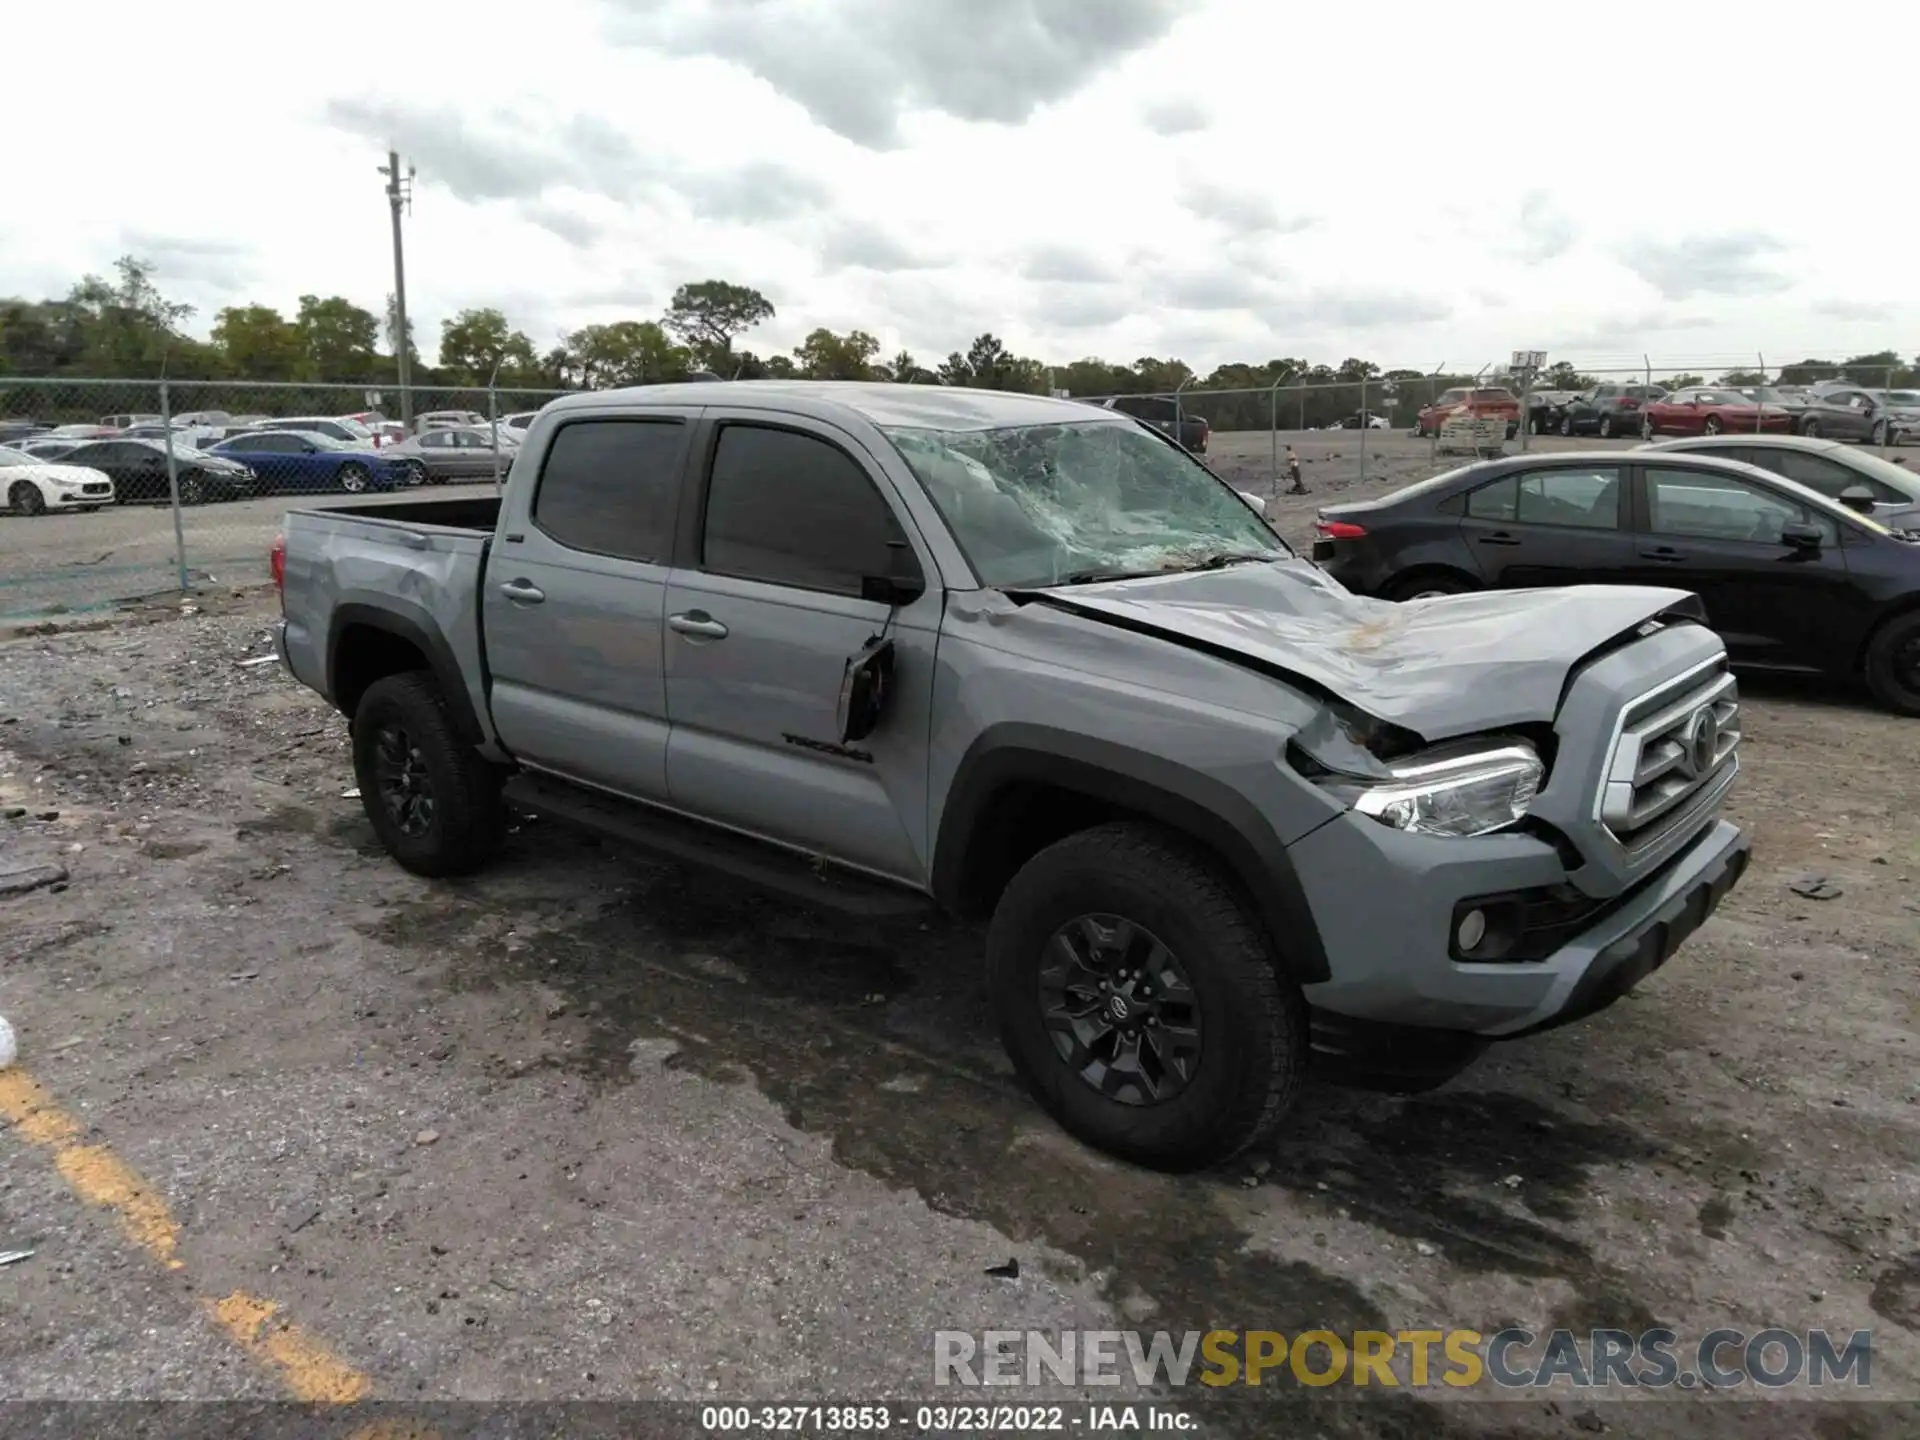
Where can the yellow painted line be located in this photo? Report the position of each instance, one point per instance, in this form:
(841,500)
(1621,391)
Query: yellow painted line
(308,1369)
(94,1172)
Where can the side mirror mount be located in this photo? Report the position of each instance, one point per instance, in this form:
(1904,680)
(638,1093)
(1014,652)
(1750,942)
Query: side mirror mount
(1800,536)
(1258,505)
(901,585)
(1858,498)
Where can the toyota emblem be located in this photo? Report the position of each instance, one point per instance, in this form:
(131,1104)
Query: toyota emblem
(1702,742)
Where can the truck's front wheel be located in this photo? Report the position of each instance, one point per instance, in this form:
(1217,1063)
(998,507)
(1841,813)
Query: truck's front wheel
(434,803)
(1140,1000)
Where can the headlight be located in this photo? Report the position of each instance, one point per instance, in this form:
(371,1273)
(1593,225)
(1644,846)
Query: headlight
(1454,790)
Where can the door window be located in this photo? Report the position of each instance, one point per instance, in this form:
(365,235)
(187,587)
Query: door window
(1586,498)
(610,487)
(1697,505)
(1498,501)
(435,439)
(791,509)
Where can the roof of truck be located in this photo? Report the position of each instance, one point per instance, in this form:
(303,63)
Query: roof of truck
(922,407)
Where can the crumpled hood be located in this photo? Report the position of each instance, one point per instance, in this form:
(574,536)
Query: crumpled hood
(1442,667)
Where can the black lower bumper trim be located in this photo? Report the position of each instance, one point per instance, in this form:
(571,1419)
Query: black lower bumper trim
(1633,957)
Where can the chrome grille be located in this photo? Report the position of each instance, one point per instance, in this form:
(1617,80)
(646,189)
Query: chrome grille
(1675,756)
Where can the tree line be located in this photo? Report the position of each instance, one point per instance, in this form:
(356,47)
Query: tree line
(123,327)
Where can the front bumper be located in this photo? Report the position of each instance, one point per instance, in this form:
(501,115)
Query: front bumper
(1384,902)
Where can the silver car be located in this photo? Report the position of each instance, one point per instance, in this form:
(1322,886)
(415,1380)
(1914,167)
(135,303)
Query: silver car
(434,457)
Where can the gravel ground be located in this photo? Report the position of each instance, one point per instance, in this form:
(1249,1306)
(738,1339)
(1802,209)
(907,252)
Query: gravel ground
(589,1127)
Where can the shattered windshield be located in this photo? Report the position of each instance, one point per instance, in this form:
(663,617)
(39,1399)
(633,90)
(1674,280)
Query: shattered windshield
(1035,505)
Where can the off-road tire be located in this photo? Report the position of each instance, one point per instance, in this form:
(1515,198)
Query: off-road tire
(469,820)
(1252,1017)
(1899,692)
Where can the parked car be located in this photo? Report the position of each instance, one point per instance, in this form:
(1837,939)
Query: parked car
(83,432)
(1790,579)
(888,648)
(1711,410)
(295,460)
(1607,410)
(1790,398)
(1545,407)
(1362,420)
(122,422)
(1169,417)
(1843,412)
(519,420)
(436,456)
(1837,471)
(448,419)
(33,486)
(138,469)
(12,432)
(1903,414)
(345,428)
(204,419)
(49,447)
(1483,403)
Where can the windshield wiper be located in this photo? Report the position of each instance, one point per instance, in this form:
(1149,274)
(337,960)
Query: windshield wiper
(1223,559)
(1094,577)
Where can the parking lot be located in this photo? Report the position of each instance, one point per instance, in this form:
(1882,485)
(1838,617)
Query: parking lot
(289,1121)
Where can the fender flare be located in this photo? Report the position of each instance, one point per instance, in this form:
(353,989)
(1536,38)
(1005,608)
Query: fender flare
(406,621)
(1208,810)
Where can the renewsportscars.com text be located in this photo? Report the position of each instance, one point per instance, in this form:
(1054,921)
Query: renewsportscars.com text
(1508,1359)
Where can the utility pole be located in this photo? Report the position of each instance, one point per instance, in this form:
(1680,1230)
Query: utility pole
(399,196)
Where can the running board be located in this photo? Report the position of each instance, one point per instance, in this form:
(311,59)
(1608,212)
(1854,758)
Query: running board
(676,837)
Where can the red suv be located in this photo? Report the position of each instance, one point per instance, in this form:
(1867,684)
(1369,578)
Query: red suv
(1481,404)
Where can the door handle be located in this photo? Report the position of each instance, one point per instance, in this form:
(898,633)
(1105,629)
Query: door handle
(1498,537)
(698,623)
(523,593)
(1665,554)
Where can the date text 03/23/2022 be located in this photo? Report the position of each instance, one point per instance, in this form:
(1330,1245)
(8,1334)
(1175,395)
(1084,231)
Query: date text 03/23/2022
(943,1419)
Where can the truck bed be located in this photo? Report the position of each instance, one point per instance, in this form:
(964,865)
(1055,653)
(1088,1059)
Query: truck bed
(410,568)
(454,512)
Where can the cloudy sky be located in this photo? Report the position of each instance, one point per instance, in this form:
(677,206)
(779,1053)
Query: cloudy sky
(1213,179)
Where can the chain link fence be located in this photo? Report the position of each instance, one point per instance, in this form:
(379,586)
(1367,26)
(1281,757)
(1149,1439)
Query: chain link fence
(183,485)
(116,490)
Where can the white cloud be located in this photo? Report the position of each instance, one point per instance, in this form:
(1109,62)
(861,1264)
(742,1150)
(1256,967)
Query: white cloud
(1119,179)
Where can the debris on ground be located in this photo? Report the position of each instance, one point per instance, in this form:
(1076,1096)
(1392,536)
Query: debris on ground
(14,1257)
(30,877)
(1008,1271)
(1815,887)
(9,1046)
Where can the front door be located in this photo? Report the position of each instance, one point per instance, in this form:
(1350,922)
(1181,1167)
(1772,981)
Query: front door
(1773,604)
(1558,525)
(573,603)
(763,614)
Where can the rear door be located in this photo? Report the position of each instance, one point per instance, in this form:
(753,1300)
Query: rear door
(572,603)
(1558,525)
(764,610)
(1720,537)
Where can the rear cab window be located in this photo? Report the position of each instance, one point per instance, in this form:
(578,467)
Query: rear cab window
(611,486)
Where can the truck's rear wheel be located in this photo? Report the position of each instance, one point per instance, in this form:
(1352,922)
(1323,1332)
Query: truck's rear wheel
(434,803)
(1140,1000)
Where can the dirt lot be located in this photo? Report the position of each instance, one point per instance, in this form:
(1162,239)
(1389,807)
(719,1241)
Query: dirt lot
(586,1127)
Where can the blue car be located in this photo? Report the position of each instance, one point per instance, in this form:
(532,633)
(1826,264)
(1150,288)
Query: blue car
(289,460)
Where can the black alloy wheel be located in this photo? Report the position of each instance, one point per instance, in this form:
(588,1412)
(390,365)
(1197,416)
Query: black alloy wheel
(1120,1010)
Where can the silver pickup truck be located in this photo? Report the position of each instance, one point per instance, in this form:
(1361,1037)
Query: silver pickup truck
(885,647)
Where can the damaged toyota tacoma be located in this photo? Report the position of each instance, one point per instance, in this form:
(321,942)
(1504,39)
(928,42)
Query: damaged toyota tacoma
(886,647)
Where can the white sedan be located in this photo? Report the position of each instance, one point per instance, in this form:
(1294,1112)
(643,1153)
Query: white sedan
(33,486)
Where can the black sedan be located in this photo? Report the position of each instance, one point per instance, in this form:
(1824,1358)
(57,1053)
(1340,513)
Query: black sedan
(1793,581)
(138,469)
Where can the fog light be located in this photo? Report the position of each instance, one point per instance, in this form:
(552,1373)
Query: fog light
(1472,930)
